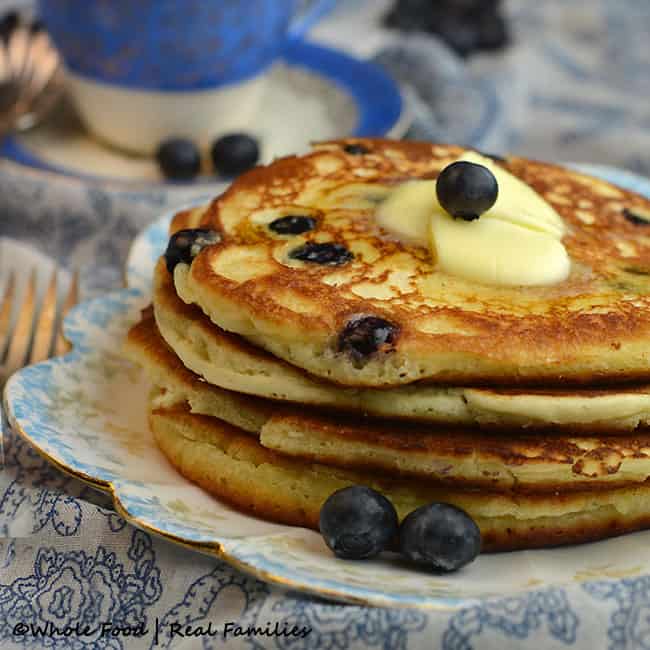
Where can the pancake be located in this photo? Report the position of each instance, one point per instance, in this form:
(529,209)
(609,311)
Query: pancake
(501,461)
(229,361)
(592,327)
(233,466)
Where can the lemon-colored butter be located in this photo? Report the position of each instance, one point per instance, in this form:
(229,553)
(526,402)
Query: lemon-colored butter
(492,251)
(517,202)
(406,213)
(516,242)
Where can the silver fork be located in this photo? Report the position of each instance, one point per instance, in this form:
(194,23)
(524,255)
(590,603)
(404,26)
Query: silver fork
(35,333)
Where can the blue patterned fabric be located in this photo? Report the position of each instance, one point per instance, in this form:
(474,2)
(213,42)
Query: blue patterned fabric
(66,556)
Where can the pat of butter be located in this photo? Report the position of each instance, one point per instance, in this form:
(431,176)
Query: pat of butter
(498,252)
(516,242)
(406,213)
(518,202)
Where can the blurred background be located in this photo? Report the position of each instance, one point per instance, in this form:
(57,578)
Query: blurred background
(564,80)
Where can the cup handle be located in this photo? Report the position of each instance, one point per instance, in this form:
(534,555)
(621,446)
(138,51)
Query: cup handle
(304,22)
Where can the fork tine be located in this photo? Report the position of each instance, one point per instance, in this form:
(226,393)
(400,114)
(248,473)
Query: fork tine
(5,312)
(62,346)
(18,49)
(5,68)
(44,328)
(42,74)
(22,331)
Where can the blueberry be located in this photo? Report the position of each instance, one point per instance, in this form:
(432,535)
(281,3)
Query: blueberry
(179,159)
(467,26)
(358,523)
(235,153)
(440,536)
(466,190)
(404,21)
(408,14)
(185,245)
(356,149)
(636,218)
(329,254)
(493,33)
(293,225)
(366,335)
(460,35)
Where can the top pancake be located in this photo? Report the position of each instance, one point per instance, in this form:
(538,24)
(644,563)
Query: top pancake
(594,327)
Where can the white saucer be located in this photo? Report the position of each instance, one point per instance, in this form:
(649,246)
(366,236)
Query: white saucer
(315,93)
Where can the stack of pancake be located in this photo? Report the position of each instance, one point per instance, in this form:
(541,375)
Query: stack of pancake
(309,349)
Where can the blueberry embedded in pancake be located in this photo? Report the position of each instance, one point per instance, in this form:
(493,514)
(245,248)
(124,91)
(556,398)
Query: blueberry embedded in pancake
(293,225)
(638,217)
(365,335)
(185,245)
(326,254)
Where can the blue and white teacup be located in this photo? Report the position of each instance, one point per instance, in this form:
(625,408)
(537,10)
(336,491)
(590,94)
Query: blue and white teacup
(141,71)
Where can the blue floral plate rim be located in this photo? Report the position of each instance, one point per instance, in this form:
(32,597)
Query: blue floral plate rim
(264,557)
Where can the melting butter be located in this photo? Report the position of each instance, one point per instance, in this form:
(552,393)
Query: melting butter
(406,213)
(518,202)
(516,242)
(498,252)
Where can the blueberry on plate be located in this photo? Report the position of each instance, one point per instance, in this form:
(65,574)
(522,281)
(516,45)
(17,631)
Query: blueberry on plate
(235,153)
(439,536)
(185,245)
(179,159)
(466,190)
(358,523)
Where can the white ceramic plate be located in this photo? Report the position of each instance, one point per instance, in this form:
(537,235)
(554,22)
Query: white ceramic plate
(86,413)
